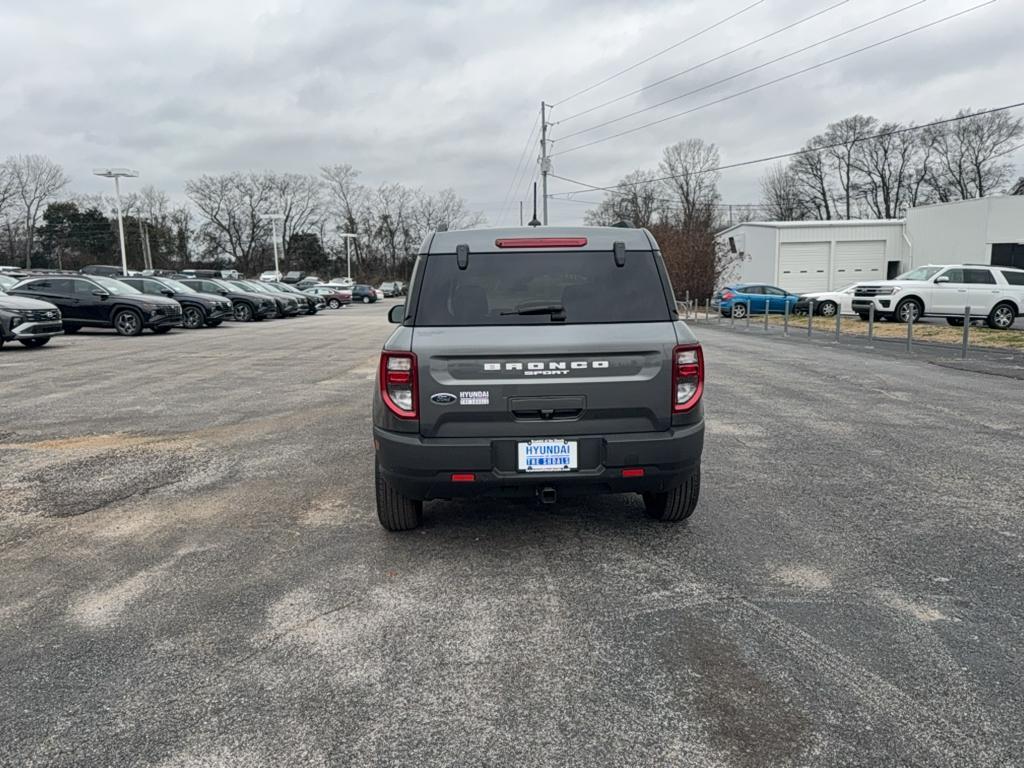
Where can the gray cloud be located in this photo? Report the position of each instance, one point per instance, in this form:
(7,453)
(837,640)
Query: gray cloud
(439,94)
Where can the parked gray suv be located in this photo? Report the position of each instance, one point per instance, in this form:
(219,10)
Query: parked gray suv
(538,363)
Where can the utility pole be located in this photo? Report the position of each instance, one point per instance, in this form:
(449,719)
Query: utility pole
(545,161)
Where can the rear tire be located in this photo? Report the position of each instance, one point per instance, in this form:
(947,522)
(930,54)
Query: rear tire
(161,330)
(676,505)
(956,322)
(334,304)
(1001,317)
(739,311)
(395,511)
(366,299)
(828,309)
(33,343)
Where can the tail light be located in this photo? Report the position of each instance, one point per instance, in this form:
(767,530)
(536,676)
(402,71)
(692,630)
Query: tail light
(727,295)
(687,377)
(398,383)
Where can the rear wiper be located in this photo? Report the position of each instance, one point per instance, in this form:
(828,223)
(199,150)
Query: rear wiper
(557,311)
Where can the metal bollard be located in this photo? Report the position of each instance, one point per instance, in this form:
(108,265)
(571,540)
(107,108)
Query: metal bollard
(732,316)
(839,321)
(766,317)
(748,315)
(967,333)
(910,333)
(871,322)
(707,310)
(785,320)
(810,318)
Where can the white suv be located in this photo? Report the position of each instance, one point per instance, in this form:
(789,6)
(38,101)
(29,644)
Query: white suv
(995,294)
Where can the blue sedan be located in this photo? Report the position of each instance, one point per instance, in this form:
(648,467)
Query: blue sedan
(739,299)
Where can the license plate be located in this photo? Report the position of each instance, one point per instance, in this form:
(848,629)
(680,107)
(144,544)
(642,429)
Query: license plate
(547,456)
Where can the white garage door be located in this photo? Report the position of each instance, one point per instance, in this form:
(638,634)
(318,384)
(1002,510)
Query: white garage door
(803,267)
(857,261)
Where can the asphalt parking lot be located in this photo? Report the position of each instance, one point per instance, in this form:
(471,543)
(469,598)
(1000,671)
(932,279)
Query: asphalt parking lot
(193,573)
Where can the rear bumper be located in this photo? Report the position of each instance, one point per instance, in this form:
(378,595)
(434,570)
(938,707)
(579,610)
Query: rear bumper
(422,468)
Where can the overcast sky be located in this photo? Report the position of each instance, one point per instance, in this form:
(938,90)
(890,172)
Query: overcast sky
(439,94)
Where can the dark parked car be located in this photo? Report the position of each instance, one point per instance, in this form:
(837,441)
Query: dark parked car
(103,270)
(364,293)
(287,306)
(197,309)
(335,297)
(313,303)
(246,305)
(30,321)
(101,302)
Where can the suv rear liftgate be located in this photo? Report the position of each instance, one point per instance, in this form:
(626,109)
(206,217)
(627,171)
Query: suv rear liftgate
(531,366)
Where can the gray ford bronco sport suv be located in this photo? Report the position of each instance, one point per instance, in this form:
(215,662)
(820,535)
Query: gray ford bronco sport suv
(537,363)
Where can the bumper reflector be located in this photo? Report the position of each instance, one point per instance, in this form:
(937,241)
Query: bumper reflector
(633,472)
(463,477)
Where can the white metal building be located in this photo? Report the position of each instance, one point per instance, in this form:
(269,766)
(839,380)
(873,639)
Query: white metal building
(805,256)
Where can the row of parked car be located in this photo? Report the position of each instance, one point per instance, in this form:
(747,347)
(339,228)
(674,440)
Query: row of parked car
(994,294)
(36,306)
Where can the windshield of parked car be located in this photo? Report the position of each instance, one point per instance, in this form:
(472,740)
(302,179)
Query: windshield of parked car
(175,286)
(251,287)
(7,282)
(115,287)
(921,273)
(541,288)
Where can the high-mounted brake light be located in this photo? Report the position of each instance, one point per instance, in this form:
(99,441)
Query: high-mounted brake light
(397,379)
(687,377)
(540,242)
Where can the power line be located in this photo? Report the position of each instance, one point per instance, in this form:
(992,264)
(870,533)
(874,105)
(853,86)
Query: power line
(659,53)
(774,81)
(784,155)
(704,63)
(515,175)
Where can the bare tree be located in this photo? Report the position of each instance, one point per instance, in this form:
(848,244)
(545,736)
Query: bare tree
(300,199)
(810,170)
(37,180)
(692,165)
(844,139)
(888,166)
(968,155)
(781,195)
(348,200)
(233,207)
(443,211)
(635,199)
(1018,188)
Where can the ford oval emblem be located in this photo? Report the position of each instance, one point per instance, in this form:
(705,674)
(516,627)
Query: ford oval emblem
(443,398)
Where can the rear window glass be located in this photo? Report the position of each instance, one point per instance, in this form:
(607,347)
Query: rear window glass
(1014,278)
(496,287)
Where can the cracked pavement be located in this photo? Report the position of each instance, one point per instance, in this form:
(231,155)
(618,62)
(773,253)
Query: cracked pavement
(193,573)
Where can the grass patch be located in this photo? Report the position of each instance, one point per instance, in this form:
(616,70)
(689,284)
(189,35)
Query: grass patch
(981,336)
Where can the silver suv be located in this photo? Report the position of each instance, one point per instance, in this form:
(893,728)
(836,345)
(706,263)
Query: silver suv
(538,363)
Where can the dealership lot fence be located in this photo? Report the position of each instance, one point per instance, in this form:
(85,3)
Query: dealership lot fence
(797,325)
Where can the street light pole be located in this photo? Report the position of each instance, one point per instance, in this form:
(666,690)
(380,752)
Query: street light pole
(116,174)
(274,218)
(348,253)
